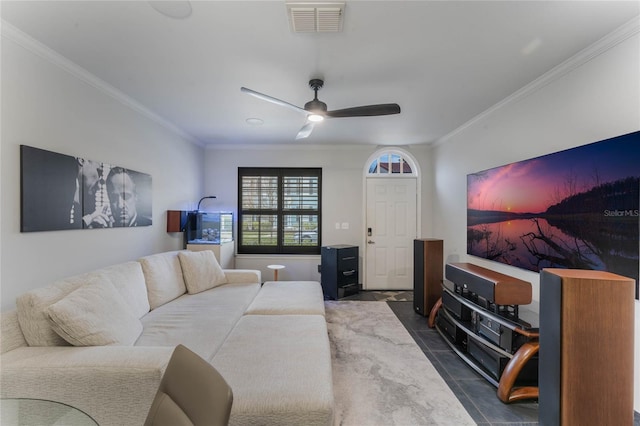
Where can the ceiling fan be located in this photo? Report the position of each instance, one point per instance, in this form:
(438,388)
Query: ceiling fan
(316,110)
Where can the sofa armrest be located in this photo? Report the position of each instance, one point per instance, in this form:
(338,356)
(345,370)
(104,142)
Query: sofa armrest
(115,385)
(248,276)
(11,336)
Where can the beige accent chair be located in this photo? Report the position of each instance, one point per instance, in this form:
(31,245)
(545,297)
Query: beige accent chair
(191,393)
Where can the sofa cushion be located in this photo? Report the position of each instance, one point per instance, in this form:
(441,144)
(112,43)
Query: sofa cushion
(200,321)
(201,270)
(95,315)
(288,298)
(32,318)
(163,277)
(126,277)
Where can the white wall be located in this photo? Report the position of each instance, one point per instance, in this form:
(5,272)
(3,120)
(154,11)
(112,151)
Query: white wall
(342,193)
(47,107)
(596,101)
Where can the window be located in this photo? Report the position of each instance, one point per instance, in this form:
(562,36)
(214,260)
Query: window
(279,210)
(391,162)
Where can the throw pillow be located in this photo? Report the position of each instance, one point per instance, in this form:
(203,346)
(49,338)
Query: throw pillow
(34,322)
(95,315)
(201,270)
(163,278)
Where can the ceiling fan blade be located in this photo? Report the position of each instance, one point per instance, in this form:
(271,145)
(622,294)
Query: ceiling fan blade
(365,111)
(305,131)
(271,99)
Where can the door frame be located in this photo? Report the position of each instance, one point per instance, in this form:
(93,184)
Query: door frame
(416,174)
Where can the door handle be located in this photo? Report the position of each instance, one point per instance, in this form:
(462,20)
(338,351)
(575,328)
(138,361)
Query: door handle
(371,242)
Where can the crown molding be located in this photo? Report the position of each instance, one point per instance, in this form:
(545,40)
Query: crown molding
(24,40)
(287,147)
(601,46)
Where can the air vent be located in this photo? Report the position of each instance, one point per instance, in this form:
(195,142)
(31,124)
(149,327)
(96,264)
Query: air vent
(307,17)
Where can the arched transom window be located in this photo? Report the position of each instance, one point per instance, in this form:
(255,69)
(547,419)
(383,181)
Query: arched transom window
(391,163)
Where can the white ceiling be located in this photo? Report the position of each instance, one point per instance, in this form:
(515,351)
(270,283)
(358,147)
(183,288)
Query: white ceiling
(443,62)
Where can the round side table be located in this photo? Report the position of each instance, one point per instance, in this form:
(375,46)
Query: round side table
(275,268)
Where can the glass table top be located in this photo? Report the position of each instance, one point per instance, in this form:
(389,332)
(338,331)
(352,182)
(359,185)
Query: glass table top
(22,412)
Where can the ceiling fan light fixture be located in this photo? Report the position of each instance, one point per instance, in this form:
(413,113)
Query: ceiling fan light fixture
(315,117)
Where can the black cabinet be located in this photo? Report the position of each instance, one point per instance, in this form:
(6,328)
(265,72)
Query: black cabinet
(339,271)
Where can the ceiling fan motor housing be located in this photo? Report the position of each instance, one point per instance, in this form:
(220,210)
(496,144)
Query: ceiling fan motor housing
(316,84)
(315,106)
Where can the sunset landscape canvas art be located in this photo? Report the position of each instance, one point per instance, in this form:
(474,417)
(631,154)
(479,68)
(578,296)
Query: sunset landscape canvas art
(577,208)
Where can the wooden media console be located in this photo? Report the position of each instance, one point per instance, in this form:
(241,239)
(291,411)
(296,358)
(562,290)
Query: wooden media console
(480,318)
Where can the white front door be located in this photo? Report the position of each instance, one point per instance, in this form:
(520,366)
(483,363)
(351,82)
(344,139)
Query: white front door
(391,229)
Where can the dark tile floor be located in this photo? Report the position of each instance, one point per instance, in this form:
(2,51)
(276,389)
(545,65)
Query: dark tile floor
(474,392)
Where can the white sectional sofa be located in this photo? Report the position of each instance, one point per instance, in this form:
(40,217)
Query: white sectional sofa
(268,341)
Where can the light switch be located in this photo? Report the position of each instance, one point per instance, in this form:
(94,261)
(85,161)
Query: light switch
(337,225)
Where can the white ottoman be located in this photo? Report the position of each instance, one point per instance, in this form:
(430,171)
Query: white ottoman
(288,298)
(279,367)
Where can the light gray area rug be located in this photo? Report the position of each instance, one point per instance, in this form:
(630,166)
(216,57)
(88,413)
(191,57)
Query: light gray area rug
(380,375)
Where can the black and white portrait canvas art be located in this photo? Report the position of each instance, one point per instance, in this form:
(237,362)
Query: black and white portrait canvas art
(64,192)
